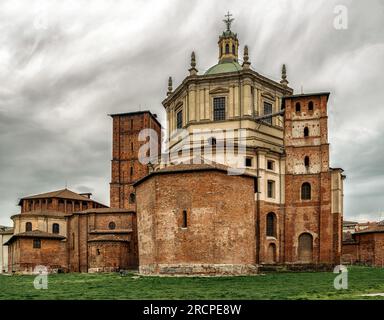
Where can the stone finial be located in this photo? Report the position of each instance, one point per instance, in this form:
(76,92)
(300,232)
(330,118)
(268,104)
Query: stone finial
(169,86)
(193,70)
(284,80)
(246,62)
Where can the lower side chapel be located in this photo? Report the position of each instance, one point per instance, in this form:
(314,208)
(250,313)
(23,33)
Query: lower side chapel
(283,209)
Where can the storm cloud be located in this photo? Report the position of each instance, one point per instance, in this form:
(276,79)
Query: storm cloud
(66,65)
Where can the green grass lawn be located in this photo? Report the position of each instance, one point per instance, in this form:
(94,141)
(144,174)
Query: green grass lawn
(307,285)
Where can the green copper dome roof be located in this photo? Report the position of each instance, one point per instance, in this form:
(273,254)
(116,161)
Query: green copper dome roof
(224,67)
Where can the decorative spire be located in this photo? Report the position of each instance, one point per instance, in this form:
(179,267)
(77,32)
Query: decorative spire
(246,62)
(228,21)
(169,86)
(193,70)
(284,80)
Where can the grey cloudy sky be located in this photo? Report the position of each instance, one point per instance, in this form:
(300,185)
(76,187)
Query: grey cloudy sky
(65,65)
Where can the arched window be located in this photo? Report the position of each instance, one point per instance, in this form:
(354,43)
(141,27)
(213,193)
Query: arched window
(305,248)
(55,228)
(298,107)
(28,226)
(306,161)
(306,191)
(306,132)
(132,198)
(271,224)
(227,48)
(310,106)
(112,225)
(185,219)
(233,49)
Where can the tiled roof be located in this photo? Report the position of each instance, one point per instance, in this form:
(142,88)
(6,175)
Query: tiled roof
(35,234)
(61,194)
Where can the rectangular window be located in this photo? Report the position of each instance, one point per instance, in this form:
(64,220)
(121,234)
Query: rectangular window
(219,108)
(248,162)
(270,165)
(179,119)
(271,189)
(268,110)
(36,243)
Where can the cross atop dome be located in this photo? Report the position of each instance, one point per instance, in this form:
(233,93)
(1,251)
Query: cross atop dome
(228,21)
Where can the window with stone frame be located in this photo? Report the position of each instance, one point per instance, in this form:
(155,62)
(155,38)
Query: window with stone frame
(28,226)
(306,191)
(219,108)
(55,228)
(267,110)
(270,189)
(248,161)
(270,165)
(179,119)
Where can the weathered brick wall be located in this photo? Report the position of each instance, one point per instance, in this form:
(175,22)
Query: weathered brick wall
(24,258)
(125,150)
(221,222)
(312,216)
(98,248)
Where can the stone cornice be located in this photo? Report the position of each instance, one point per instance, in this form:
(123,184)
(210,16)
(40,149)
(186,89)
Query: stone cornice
(240,75)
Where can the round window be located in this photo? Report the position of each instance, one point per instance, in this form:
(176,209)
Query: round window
(112,225)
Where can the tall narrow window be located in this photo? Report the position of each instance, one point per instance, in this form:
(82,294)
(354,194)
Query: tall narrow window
(132,198)
(131,172)
(271,224)
(185,219)
(55,228)
(179,119)
(219,108)
(233,49)
(306,191)
(306,161)
(306,132)
(298,107)
(227,48)
(310,106)
(271,189)
(28,226)
(256,185)
(36,243)
(268,110)
(131,146)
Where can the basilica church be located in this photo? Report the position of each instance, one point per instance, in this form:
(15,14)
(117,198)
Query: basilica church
(243,185)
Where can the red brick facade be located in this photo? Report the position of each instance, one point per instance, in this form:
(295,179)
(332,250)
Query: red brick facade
(306,135)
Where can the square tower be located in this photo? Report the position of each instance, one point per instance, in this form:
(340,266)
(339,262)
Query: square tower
(312,231)
(126,167)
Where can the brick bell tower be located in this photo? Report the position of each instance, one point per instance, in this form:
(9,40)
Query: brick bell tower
(311,229)
(126,167)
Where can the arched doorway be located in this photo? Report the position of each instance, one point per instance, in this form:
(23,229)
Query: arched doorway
(305,248)
(271,253)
